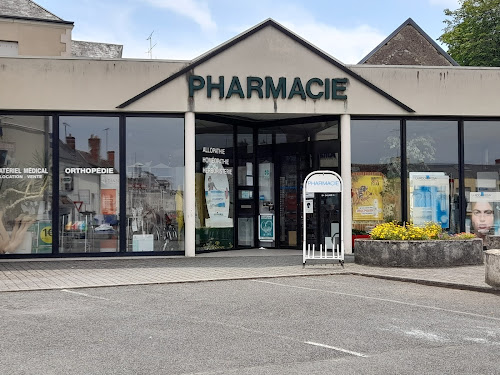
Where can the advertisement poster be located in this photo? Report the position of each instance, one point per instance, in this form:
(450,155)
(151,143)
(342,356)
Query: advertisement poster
(108,201)
(266,227)
(217,197)
(109,196)
(430,197)
(367,190)
(483,217)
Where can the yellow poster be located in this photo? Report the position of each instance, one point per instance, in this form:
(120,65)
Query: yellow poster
(367,196)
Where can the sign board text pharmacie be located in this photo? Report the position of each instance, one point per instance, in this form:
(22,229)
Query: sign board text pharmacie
(313,88)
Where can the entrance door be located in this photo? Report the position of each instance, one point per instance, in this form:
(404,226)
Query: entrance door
(291,173)
(273,160)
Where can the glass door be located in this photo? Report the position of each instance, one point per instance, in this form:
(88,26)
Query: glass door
(289,201)
(245,199)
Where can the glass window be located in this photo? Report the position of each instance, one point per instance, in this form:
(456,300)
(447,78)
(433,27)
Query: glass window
(482,165)
(89,184)
(376,172)
(155,184)
(433,185)
(25,184)
(214,186)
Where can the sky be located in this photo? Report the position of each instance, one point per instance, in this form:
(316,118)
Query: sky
(185,29)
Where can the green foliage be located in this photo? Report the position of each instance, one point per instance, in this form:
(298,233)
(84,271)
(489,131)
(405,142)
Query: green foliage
(473,33)
(359,231)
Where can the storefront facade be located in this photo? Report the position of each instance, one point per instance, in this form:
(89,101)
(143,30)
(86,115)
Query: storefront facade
(148,157)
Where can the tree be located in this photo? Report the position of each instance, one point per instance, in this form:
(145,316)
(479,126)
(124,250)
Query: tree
(473,33)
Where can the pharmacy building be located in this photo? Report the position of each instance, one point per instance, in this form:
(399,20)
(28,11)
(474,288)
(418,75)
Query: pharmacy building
(102,155)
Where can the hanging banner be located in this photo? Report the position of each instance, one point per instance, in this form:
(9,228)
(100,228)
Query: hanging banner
(217,197)
(367,190)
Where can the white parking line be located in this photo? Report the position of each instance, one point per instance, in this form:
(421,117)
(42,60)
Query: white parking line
(381,299)
(83,294)
(337,349)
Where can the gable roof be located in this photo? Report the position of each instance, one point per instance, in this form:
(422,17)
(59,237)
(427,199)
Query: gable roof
(27,10)
(96,50)
(267,23)
(384,48)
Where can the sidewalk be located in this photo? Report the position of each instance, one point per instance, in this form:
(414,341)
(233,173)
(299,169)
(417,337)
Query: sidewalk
(46,274)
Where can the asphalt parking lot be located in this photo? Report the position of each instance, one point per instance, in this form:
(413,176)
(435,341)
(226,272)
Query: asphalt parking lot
(341,324)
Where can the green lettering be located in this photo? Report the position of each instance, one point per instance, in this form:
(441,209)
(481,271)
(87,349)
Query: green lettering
(308,88)
(327,88)
(337,85)
(297,89)
(258,87)
(193,87)
(270,88)
(217,86)
(235,88)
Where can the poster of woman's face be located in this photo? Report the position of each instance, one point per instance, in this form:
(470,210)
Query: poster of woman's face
(483,218)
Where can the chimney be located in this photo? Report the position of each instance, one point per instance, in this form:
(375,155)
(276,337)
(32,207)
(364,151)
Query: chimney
(111,158)
(70,142)
(94,147)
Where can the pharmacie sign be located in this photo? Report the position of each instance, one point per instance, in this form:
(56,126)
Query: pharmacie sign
(323,183)
(248,87)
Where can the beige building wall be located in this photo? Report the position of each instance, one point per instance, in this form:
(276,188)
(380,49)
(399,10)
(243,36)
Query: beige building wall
(37,38)
(102,85)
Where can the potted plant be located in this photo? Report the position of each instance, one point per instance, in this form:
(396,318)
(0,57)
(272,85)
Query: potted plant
(358,233)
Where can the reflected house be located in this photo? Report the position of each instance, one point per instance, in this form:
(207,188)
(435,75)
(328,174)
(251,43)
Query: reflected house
(83,189)
(151,187)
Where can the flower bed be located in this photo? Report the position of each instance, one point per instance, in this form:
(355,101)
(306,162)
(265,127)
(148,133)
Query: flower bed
(392,245)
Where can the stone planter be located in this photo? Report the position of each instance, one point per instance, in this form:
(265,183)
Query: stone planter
(430,253)
(492,263)
(491,242)
(357,236)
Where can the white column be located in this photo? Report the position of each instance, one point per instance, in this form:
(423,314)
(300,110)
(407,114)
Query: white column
(345,168)
(189,185)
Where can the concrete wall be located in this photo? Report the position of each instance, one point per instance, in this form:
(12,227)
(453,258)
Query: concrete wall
(37,38)
(102,85)
(454,91)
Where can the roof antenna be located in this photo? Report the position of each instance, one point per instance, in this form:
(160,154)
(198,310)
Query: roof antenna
(65,127)
(150,50)
(106,130)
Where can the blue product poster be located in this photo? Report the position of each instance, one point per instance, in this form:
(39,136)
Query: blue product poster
(430,200)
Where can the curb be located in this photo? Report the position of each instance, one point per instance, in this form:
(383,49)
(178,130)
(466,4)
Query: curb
(442,284)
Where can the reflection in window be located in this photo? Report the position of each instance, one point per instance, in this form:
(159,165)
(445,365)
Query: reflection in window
(376,173)
(482,166)
(89,184)
(25,180)
(433,185)
(155,184)
(214,186)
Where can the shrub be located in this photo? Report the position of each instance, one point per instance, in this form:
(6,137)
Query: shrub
(407,232)
(463,236)
(359,231)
